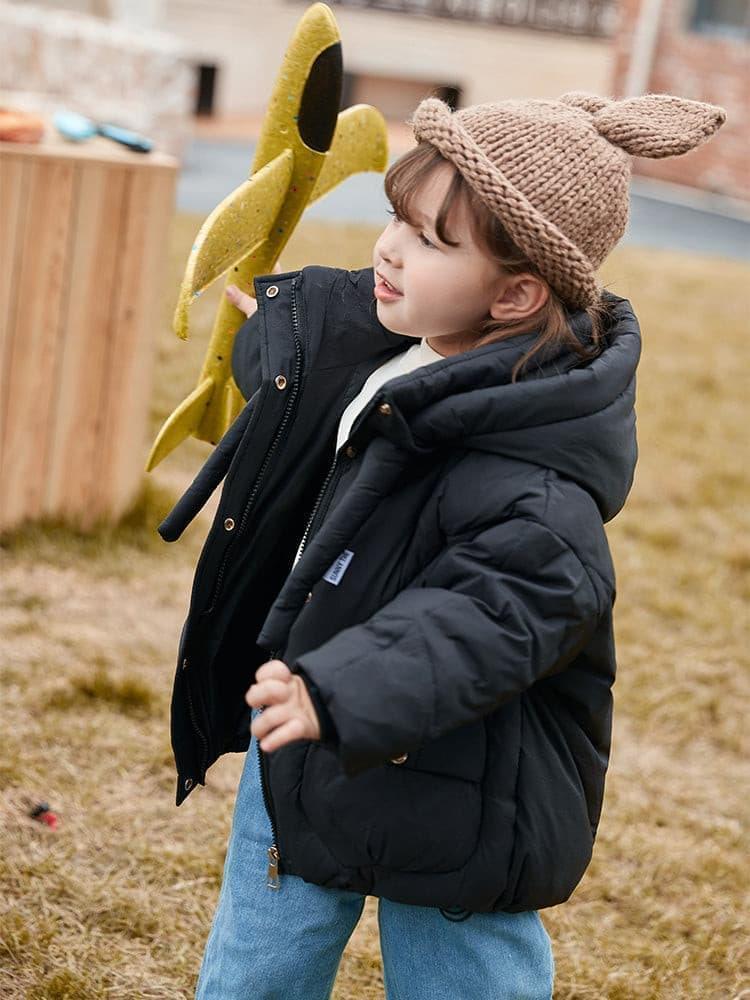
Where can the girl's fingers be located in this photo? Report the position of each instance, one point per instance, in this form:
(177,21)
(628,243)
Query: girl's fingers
(268,692)
(244,302)
(269,719)
(273,668)
(292,730)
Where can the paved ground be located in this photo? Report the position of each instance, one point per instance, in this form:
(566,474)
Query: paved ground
(213,167)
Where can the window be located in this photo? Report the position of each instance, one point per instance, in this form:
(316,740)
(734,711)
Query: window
(206,86)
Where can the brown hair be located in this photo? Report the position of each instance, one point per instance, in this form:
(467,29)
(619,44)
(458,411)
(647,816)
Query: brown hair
(403,180)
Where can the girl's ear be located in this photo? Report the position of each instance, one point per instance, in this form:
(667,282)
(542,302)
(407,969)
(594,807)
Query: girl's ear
(519,296)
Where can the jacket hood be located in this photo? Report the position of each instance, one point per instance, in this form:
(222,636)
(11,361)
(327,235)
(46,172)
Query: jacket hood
(576,418)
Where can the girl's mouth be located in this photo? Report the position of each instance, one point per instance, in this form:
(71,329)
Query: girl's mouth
(383,291)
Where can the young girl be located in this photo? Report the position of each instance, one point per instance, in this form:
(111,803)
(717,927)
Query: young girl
(410,535)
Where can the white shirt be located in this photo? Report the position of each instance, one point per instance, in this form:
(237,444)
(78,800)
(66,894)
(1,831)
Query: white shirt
(413,357)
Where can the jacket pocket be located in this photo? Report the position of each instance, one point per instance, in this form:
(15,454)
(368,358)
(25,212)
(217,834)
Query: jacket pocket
(422,815)
(460,753)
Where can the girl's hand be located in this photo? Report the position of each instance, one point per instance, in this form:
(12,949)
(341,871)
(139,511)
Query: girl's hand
(289,714)
(244,302)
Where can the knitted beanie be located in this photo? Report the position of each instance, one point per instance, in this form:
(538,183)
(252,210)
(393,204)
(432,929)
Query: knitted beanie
(557,172)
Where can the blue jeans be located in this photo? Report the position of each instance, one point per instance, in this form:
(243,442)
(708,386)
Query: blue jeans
(286,944)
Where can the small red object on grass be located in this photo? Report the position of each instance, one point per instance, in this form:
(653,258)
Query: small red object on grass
(42,812)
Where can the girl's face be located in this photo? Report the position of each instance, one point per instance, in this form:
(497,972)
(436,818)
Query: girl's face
(440,291)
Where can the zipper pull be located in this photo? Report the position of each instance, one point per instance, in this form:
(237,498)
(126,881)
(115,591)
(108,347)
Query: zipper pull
(274,879)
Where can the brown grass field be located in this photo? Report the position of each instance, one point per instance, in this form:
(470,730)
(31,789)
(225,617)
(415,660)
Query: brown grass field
(116,903)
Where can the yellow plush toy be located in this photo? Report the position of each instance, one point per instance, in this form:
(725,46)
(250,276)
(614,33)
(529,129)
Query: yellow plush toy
(305,148)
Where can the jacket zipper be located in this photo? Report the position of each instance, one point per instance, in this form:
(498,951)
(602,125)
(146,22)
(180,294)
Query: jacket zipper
(273,874)
(273,877)
(318,501)
(322,492)
(273,880)
(217,588)
(274,444)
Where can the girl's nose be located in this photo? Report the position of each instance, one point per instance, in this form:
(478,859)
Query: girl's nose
(387,246)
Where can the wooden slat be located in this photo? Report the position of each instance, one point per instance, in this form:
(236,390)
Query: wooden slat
(88,320)
(14,179)
(31,377)
(136,312)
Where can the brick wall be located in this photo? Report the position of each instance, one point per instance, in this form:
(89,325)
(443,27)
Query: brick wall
(701,67)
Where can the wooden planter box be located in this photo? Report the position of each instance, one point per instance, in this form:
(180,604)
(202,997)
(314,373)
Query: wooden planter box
(82,252)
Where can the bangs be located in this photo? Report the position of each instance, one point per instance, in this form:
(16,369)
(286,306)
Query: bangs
(407,176)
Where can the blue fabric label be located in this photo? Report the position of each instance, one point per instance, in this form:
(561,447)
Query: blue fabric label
(338,567)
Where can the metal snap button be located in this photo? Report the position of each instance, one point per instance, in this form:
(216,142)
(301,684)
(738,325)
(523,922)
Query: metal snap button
(272,291)
(351,451)
(188,784)
(229,523)
(309,596)
(280,381)
(400,760)
(385,409)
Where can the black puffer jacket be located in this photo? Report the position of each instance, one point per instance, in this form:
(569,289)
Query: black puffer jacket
(452,605)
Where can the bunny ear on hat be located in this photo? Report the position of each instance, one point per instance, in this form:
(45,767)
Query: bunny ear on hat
(654,125)
(583,99)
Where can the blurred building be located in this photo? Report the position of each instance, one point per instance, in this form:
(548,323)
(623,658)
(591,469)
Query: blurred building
(398,51)
(699,49)
(469,51)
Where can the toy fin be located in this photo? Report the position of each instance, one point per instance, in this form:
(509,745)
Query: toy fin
(181,423)
(360,143)
(236,228)
(233,402)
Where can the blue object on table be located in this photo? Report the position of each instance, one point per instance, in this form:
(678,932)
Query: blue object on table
(78,128)
(73,126)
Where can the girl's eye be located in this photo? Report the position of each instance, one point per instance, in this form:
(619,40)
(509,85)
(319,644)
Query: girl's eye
(421,236)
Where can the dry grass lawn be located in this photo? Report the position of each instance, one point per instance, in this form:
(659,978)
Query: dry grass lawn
(117,902)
